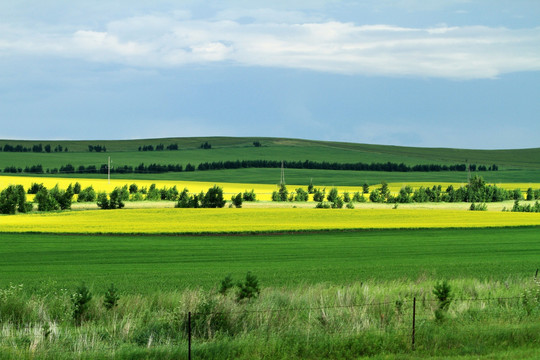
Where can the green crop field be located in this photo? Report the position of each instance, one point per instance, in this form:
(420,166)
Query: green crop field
(330,295)
(321,177)
(521,165)
(145,264)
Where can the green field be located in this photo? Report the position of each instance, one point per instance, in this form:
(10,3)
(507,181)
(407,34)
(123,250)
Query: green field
(521,165)
(231,148)
(323,295)
(146,264)
(321,177)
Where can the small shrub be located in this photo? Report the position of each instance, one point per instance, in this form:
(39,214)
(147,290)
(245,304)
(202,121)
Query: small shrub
(249,289)
(323,205)
(110,301)
(443,293)
(87,195)
(237,200)
(226,284)
(80,300)
(249,195)
(301,195)
(350,205)
(478,207)
(318,195)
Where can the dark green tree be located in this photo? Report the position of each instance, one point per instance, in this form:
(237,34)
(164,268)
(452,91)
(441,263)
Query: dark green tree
(213,198)
(237,200)
(110,300)
(80,300)
(249,289)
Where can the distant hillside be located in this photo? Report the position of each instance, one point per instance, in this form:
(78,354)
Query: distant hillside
(242,148)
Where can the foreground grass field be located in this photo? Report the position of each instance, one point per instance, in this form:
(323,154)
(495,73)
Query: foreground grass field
(325,295)
(147,264)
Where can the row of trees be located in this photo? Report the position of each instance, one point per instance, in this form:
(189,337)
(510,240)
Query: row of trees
(389,166)
(97,148)
(13,199)
(38,148)
(332,200)
(239,164)
(477,191)
(159,147)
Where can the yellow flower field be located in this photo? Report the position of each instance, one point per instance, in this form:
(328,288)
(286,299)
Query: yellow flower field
(263,191)
(173,221)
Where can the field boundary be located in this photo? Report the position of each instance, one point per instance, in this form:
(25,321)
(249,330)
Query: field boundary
(265,233)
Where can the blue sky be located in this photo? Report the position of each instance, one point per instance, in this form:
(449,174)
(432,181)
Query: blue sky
(407,72)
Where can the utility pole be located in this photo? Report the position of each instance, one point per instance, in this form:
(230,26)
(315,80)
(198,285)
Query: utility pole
(109,171)
(282,180)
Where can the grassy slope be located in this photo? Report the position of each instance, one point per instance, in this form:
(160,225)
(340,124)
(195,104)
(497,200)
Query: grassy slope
(229,148)
(146,264)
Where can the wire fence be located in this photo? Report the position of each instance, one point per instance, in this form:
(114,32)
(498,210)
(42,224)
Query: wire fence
(404,320)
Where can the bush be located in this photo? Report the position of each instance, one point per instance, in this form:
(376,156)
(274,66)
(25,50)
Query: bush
(301,195)
(338,203)
(213,198)
(318,195)
(110,301)
(13,199)
(116,198)
(442,292)
(103,200)
(34,188)
(80,300)
(357,197)
(249,196)
(478,207)
(183,199)
(87,195)
(346,197)
(281,195)
(77,188)
(45,201)
(323,205)
(62,197)
(350,205)
(133,188)
(332,195)
(365,188)
(226,284)
(153,193)
(249,289)
(237,200)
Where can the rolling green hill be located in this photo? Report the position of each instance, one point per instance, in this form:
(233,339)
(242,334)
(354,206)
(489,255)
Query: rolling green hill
(521,165)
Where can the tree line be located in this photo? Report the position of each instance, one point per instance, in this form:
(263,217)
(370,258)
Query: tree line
(244,164)
(159,147)
(39,148)
(324,165)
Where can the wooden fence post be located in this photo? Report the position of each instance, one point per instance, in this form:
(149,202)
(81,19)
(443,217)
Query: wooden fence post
(189,335)
(413,321)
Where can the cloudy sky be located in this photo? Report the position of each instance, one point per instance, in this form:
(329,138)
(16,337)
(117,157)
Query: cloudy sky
(406,72)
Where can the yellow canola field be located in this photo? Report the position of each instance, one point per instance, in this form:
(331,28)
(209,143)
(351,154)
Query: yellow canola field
(174,221)
(263,191)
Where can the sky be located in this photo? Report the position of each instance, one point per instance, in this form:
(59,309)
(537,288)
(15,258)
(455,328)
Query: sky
(461,74)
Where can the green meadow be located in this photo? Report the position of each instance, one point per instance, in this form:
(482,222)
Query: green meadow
(147,264)
(322,295)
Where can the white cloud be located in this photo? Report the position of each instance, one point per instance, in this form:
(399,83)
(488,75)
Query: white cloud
(338,47)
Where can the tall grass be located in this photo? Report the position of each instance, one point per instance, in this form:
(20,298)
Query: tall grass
(312,321)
